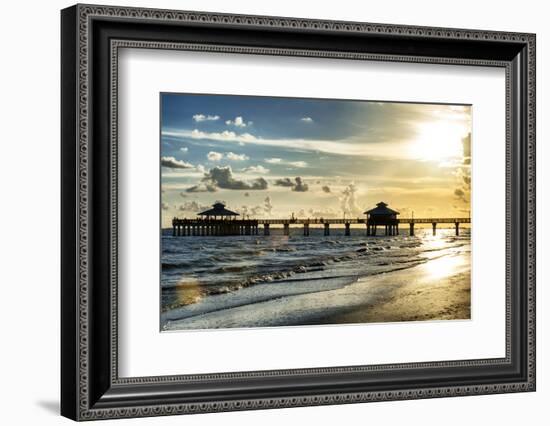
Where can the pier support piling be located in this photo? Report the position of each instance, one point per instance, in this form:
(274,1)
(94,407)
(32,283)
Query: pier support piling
(456,229)
(347,231)
(411,229)
(434,224)
(327,229)
(306,229)
(286,229)
(266,229)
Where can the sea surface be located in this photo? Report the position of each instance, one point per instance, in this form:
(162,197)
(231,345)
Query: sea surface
(202,276)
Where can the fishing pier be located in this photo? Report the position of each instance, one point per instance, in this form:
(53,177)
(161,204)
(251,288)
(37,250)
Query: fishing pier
(219,221)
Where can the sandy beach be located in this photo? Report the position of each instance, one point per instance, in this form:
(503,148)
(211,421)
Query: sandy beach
(417,296)
(436,288)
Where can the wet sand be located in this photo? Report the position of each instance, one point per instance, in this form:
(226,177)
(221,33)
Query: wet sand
(438,289)
(425,292)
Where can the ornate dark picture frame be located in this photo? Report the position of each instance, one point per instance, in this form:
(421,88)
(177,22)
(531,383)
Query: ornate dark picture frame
(91,37)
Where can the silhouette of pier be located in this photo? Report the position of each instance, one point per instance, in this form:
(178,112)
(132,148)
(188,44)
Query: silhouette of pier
(222,222)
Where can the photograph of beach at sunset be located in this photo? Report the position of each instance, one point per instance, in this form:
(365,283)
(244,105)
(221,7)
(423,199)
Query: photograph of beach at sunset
(290,212)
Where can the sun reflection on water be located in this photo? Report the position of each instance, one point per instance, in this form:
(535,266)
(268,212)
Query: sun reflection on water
(443,267)
(188,291)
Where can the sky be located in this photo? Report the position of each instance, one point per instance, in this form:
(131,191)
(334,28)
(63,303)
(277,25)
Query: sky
(274,157)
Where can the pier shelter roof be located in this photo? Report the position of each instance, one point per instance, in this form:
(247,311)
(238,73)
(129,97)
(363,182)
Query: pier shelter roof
(218,209)
(381,209)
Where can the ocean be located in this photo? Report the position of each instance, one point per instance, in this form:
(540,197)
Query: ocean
(248,281)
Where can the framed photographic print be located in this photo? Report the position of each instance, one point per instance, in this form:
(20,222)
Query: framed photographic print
(263,212)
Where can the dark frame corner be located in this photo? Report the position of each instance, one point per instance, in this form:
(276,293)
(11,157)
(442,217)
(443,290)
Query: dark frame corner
(90,37)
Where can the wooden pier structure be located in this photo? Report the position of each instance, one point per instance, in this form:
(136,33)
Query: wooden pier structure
(222,222)
(223,227)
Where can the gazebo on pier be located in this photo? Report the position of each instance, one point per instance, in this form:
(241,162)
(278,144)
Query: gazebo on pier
(384,216)
(218,210)
(217,221)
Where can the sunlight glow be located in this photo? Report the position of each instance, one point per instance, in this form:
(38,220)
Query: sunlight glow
(438,141)
(443,267)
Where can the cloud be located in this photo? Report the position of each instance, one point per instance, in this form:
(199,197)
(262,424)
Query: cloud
(463,172)
(236,157)
(202,187)
(348,201)
(297,185)
(201,117)
(299,164)
(326,189)
(268,206)
(250,211)
(306,119)
(226,136)
(172,163)
(164,206)
(349,146)
(255,169)
(386,132)
(193,207)
(300,186)
(246,194)
(462,195)
(326,213)
(184,149)
(466,148)
(222,177)
(238,122)
(286,182)
(214,156)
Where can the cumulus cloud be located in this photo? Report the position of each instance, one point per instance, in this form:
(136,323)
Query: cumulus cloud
(192,207)
(326,189)
(184,149)
(202,187)
(348,201)
(238,122)
(466,148)
(247,194)
(300,185)
(164,206)
(286,182)
(463,173)
(323,213)
(214,156)
(306,119)
(236,157)
(461,195)
(268,206)
(201,117)
(222,177)
(172,163)
(255,169)
(297,184)
(247,211)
